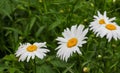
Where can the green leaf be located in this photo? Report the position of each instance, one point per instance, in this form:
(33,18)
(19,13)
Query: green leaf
(32,22)
(6,7)
(3,67)
(38,32)
(12,70)
(58,22)
(10,57)
(13,29)
(58,63)
(44,69)
(69,69)
(115,64)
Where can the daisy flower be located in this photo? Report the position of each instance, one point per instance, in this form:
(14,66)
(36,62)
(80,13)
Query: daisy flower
(71,41)
(110,30)
(27,51)
(99,21)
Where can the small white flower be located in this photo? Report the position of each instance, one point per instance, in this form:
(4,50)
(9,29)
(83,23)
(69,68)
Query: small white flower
(71,41)
(100,21)
(27,51)
(110,30)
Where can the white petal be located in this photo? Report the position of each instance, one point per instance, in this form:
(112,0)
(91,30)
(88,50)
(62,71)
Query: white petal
(29,56)
(61,39)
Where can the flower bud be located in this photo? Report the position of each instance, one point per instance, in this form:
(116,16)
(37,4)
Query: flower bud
(85,69)
(99,56)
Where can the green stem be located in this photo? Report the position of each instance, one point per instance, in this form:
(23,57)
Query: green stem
(105,60)
(104,5)
(34,66)
(112,47)
(71,12)
(45,7)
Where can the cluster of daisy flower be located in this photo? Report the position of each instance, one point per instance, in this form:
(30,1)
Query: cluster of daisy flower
(72,39)
(105,26)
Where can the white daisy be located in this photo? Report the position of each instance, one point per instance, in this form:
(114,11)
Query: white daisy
(100,21)
(110,30)
(71,41)
(27,51)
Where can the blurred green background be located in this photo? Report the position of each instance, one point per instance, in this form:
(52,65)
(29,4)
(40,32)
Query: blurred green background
(32,21)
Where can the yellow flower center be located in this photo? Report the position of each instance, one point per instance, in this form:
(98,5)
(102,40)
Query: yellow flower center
(32,48)
(101,21)
(72,42)
(110,27)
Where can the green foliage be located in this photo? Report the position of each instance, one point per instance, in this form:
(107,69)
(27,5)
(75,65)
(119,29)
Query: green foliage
(43,20)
